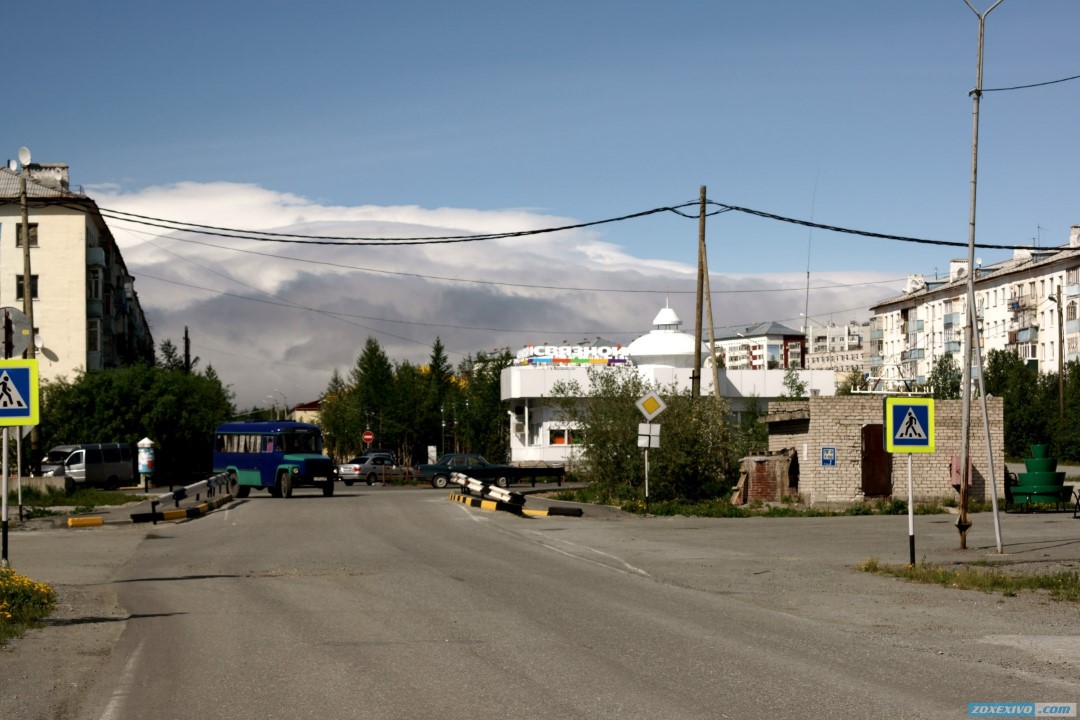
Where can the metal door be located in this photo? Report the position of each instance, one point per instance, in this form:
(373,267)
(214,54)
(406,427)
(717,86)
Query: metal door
(876,463)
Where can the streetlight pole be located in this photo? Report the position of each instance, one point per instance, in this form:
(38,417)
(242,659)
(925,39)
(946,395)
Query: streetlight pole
(963,523)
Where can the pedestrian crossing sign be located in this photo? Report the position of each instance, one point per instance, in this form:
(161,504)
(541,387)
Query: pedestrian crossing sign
(909,425)
(18,392)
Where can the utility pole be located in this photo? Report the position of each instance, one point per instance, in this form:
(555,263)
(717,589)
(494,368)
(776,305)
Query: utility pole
(1061,358)
(28,295)
(695,384)
(963,523)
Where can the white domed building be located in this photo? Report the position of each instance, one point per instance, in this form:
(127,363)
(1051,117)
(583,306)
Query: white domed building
(665,357)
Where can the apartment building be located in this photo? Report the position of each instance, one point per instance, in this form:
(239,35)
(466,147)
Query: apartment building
(767,345)
(1016,304)
(86,310)
(841,348)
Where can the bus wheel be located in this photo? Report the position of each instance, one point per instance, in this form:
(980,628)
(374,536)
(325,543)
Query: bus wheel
(328,489)
(233,488)
(283,486)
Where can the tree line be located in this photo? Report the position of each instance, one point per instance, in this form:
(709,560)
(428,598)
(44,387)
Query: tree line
(410,408)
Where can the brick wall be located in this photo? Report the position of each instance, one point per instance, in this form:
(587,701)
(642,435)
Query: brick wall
(837,423)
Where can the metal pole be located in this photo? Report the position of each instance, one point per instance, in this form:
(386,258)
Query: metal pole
(989,445)
(4,515)
(910,515)
(963,523)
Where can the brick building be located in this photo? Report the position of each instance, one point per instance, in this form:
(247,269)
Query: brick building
(841,449)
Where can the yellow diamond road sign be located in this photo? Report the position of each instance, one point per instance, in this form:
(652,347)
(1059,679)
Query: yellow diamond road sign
(651,405)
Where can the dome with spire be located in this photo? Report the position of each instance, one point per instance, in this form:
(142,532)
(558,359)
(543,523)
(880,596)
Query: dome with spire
(666,345)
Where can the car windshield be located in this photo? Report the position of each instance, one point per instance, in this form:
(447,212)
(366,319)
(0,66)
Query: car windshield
(56,457)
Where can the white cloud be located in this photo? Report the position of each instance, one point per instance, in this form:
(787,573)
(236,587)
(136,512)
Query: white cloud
(282,316)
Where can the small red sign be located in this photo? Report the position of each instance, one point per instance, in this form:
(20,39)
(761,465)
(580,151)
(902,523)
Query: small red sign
(368,437)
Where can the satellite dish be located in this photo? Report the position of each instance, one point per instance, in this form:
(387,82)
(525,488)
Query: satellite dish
(978,262)
(12,165)
(24,156)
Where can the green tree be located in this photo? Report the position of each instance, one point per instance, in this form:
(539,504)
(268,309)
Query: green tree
(852,382)
(176,409)
(480,412)
(946,378)
(608,417)
(372,381)
(410,402)
(335,419)
(1028,420)
(794,387)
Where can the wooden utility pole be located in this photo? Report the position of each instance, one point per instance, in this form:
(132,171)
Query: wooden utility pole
(695,384)
(28,304)
(1061,357)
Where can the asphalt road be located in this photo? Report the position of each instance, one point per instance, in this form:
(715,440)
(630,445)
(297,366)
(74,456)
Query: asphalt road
(397,603)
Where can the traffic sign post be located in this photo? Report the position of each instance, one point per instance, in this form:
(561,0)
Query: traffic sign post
(909,428)
(650,406)
(18,406)
(368,437)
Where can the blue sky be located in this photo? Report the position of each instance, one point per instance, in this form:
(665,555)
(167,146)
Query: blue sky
(847,112)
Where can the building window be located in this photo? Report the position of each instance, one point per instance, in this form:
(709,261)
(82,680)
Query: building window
(33,234)
(93,287)
(93,335)
(19,287)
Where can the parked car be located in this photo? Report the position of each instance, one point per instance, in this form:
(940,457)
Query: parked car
(372,468)
(475,466)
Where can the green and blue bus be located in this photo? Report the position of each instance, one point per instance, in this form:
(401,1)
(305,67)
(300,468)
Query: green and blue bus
(276,455)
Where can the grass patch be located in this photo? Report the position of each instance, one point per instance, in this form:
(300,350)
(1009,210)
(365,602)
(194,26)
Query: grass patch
(84,499)
(23,603)
(722,508)
(1063,586)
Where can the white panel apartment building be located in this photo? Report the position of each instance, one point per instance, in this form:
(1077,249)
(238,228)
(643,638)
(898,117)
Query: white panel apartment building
(85,306)
(1017,310)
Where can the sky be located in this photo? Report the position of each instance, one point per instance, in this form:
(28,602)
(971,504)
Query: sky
(413,119)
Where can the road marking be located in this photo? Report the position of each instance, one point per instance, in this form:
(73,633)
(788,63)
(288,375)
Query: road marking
(127,677)
(626,567)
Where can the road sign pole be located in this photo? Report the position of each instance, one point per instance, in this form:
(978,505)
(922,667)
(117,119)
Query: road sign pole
(4,521)
(910,515)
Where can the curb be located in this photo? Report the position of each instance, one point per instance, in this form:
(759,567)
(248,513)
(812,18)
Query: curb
(195,511)
(486,504)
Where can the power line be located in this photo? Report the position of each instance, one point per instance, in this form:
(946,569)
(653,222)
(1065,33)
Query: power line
(363,241)
(1033,85)
(568,288)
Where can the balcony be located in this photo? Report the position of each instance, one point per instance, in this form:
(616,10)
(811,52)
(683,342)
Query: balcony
(95,257)
(952,346)
(951,320)
(876,361)
(1027,335)
(912,354)
(95,308)
(1072,290)
(877,334)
